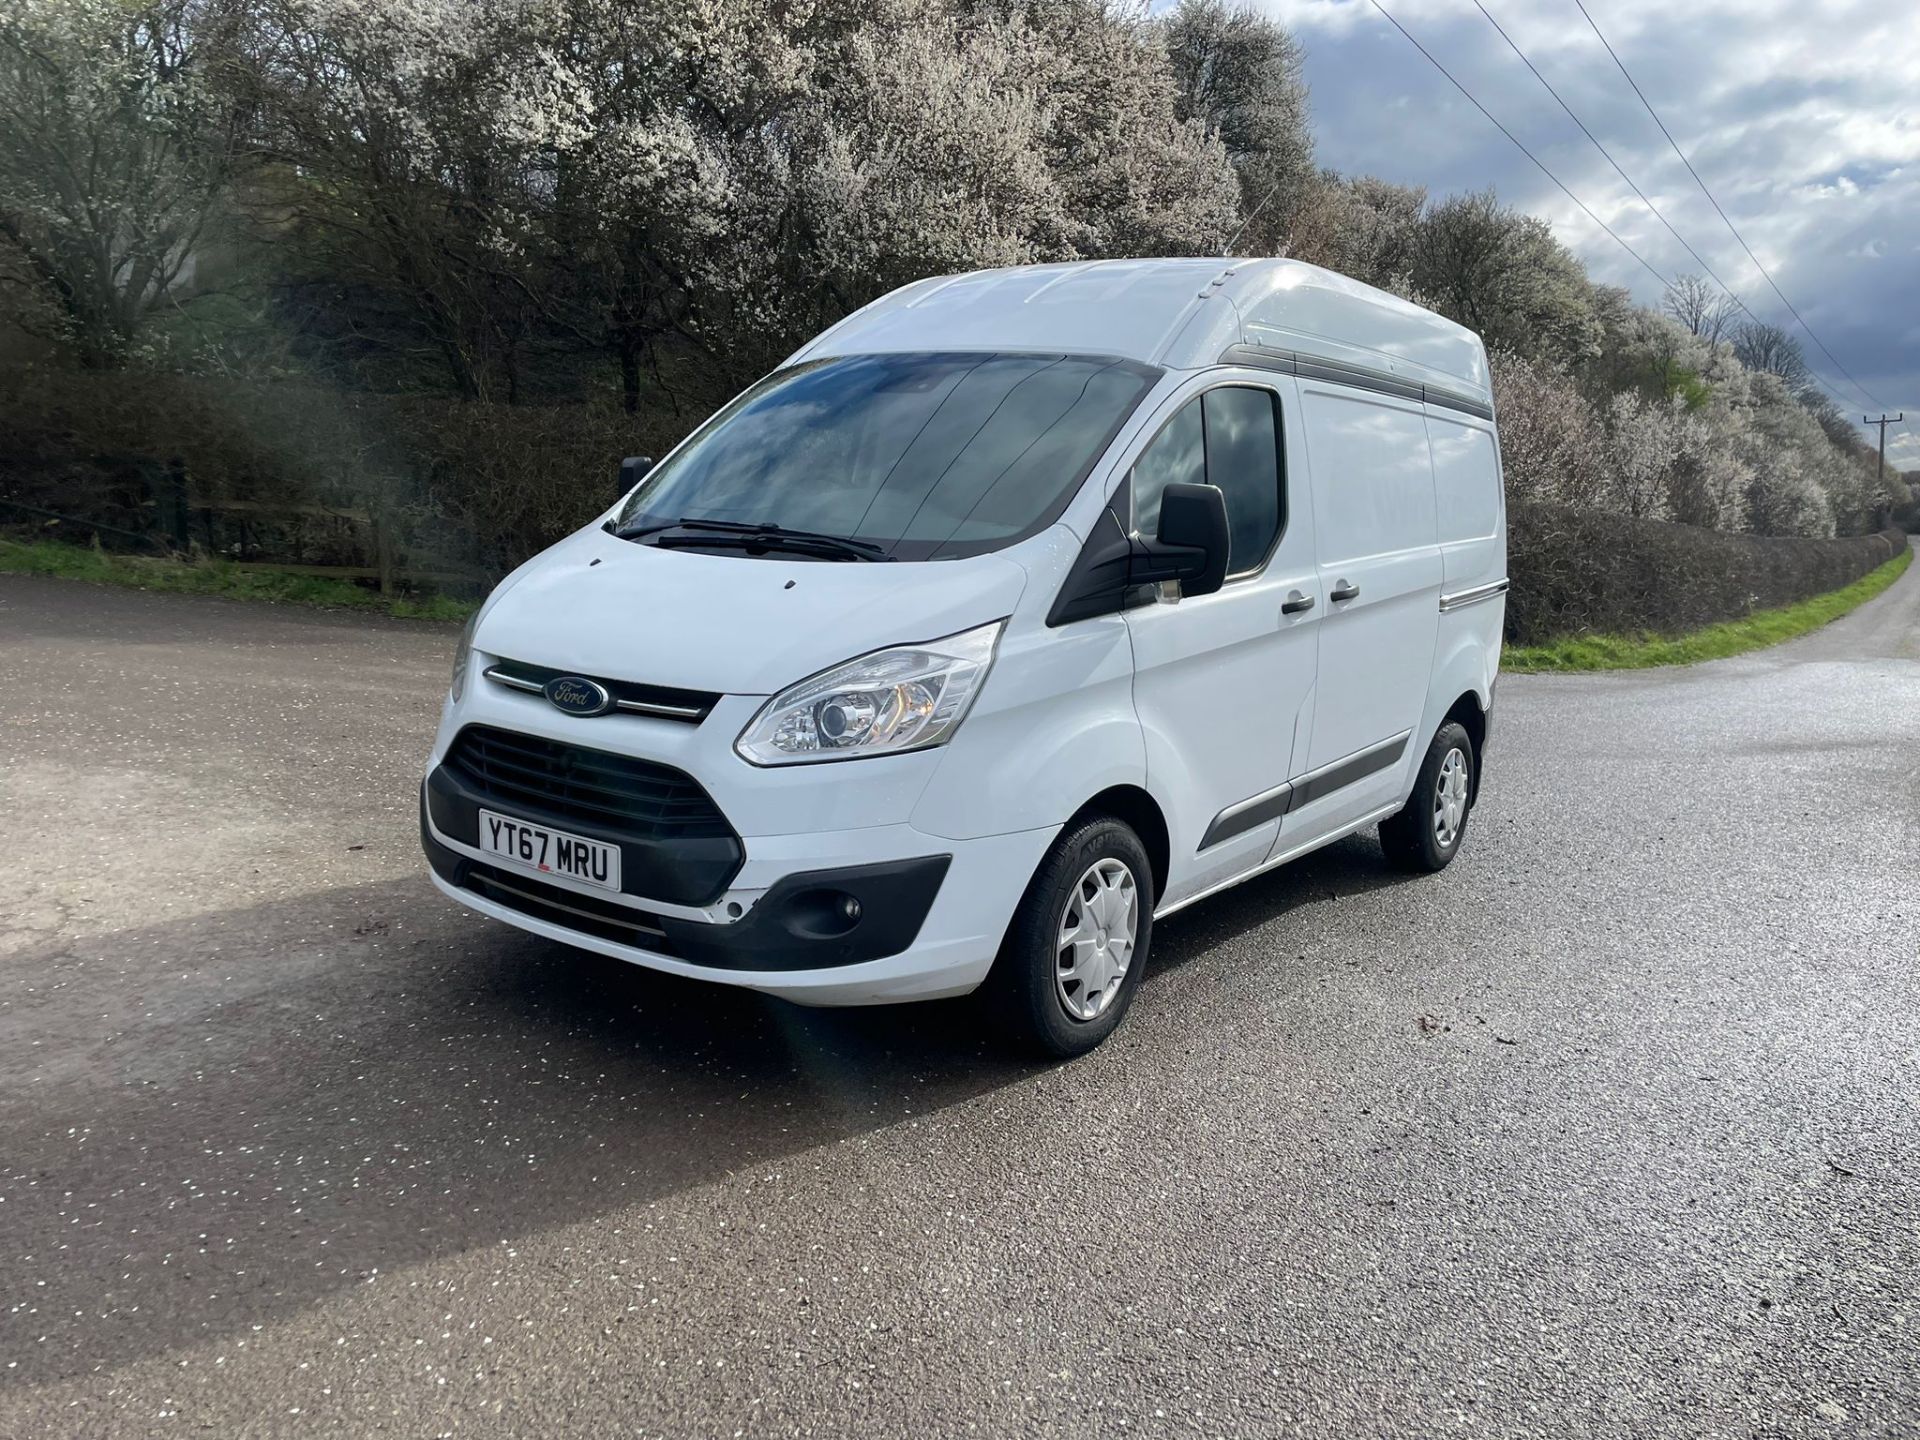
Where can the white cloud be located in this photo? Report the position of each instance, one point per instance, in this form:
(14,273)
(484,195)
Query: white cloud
(1800,114)
(1903,448)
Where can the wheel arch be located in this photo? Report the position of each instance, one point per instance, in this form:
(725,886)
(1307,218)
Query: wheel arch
(1472,718)
(1141,812)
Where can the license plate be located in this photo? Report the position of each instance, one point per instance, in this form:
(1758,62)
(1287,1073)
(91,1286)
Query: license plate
(551,852)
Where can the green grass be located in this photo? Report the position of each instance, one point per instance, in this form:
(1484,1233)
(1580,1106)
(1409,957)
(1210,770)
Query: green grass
(215,577)
(1716,642)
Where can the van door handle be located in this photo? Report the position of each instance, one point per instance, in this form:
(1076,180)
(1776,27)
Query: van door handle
(1295,603)
(1343,591)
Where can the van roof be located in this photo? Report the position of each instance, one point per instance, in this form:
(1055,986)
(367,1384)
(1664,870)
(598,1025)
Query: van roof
(1180,314)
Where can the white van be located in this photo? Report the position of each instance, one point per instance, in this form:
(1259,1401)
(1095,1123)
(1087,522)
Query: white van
(1015,612)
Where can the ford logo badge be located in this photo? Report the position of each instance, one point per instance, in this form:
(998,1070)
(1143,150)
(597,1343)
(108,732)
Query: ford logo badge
(577,696)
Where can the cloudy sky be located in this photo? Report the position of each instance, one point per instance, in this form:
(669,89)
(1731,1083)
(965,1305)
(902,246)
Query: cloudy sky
(1803,116)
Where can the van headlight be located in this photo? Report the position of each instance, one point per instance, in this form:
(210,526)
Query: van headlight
(463,653)
(905,698)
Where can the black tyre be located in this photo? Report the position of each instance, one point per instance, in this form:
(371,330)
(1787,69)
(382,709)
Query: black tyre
(1071,961)
(1426,834)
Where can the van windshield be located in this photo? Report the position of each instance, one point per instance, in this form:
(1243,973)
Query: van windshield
(920,456)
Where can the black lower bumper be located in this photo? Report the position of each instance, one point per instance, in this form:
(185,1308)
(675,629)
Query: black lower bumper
(813,920)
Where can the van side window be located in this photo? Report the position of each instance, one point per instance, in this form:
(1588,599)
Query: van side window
(1229,437)
(1243,459)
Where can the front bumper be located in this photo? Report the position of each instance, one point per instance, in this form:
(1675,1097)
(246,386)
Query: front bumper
(931,912)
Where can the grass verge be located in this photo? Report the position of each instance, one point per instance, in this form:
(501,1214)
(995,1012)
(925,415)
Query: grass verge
(216,577)
(1583,652)
(1716,642)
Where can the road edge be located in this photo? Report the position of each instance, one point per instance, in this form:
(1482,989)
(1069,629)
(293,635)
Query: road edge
(1588,654)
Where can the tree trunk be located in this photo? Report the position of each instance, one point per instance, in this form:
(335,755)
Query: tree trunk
(630,348)
(465,382)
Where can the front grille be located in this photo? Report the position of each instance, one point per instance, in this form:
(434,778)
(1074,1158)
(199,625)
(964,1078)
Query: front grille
(662,702)
(602,791)
(586,913)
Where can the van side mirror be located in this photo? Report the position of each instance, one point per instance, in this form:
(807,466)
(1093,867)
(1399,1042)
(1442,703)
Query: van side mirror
(1192,544)
(633,470)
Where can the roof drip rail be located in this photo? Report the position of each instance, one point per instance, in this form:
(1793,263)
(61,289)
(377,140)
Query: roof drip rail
(1360,377)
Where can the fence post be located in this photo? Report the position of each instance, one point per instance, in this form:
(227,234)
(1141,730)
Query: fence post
(382,549)
(176,497)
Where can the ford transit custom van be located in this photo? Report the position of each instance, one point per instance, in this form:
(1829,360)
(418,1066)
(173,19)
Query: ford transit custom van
(1012,614)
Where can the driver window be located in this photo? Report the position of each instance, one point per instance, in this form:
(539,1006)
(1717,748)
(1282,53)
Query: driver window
(1228,437)
(1176,457)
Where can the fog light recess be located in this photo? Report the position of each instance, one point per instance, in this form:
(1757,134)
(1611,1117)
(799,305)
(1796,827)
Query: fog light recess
(823,914)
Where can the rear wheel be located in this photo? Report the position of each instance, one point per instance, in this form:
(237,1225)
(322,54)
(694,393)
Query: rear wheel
(1426,833)
(1071,961)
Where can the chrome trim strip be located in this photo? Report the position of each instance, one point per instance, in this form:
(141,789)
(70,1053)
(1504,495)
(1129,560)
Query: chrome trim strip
(633,707)
(668,712)
(1461,598)
(518,682)
(1360,377)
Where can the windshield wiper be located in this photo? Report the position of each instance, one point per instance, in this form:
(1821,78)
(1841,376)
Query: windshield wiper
(825,547)
(755,535)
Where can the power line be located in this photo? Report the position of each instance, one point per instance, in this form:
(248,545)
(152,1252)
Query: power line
(1538,163)
(1611,234)
(1272,190)
(1731,228)
(1621,172)
(1645,199)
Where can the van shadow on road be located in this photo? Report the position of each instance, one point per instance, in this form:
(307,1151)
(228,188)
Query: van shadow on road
(270,1118)
(1345,869)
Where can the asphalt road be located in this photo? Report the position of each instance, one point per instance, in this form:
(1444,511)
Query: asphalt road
(1610,1129)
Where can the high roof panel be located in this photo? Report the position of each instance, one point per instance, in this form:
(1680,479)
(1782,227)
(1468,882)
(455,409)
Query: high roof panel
(1177,313)
(1291,306)
(1115,307)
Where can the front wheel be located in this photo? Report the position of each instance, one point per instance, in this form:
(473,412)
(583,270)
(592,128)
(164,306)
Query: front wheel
(1073,955)
(1426,833)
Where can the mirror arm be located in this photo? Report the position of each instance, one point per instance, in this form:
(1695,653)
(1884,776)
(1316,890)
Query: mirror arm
(1154,562)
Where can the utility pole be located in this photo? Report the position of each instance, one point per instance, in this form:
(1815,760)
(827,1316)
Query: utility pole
(1884,421)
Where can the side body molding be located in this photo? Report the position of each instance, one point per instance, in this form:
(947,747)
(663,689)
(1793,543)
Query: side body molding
(1303,789)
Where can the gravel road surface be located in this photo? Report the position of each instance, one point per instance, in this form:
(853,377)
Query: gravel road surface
(1612,1129)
